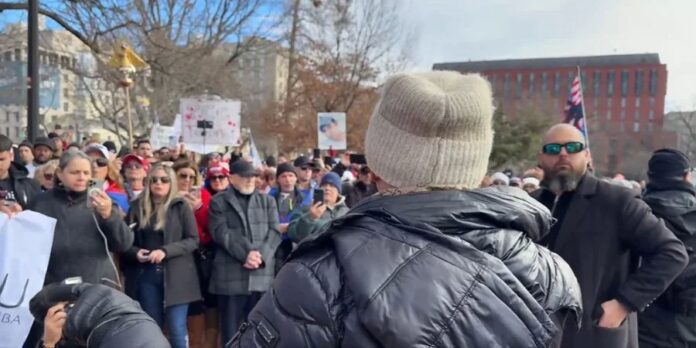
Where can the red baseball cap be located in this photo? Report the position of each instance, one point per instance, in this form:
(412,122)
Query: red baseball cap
(135,158)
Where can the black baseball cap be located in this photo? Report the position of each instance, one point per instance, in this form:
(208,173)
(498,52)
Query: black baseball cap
(43,141)
(243,169)
(302,161)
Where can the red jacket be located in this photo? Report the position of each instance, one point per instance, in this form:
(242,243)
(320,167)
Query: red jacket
(202,218)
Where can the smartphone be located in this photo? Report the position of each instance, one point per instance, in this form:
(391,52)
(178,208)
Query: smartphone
(316,153)
(358,159)
(328,160)
(318,196)
(95,186)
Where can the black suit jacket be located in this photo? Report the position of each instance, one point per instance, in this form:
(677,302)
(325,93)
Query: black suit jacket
(618,250)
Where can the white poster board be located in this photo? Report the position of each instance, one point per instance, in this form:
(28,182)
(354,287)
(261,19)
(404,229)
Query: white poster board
(161,136)
(331,130)
(25,248)
(220,117)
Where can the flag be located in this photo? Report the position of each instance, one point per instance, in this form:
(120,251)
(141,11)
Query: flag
(254,153)
(574,113)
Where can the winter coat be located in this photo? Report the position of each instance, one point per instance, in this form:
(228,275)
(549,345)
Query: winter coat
(25,187)
(236,233)
(606,233)
(298,204)
(78,245)
(180,240)
(671,321)
(201,214)
(303,225)
(433,269)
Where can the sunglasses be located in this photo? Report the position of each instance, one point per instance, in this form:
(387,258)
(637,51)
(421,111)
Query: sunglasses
(571,147)
(218,178)
(134,166)
(101,162)
(186,177)
(306,168)
(162,179)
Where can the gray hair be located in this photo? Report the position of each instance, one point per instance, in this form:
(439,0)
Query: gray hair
(69,156)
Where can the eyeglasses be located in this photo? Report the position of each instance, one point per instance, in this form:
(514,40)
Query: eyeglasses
(101,162)
(48,176)
(183,176)
(218,178)
(306,168)
(162,179)
(571,147)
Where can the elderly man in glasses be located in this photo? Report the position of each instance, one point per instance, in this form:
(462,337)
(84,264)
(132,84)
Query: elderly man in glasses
(602,232)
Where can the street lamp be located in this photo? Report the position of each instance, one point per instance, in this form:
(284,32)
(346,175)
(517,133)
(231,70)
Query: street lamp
(127,63)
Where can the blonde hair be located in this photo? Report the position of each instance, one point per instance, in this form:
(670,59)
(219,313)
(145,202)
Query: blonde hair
(48,167)
(147,208)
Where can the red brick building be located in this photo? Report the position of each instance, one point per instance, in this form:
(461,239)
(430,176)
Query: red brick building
(624,99)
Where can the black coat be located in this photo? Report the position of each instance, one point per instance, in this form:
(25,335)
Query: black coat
(605,231)
(26,188)
(180,241)
(434,269)
(78,245)
(671,321)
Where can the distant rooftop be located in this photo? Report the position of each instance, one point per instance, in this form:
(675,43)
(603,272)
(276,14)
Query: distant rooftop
(545,63)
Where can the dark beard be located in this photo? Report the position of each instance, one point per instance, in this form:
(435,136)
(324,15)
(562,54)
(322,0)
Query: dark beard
(561,182)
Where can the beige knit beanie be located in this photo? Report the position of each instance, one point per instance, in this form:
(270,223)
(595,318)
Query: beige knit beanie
(432,129)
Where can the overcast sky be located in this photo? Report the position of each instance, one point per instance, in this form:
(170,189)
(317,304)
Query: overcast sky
(460,30)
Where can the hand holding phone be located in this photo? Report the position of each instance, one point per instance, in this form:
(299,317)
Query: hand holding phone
(318,196)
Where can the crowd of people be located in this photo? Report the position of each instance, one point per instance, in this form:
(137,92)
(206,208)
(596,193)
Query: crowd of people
(429,251)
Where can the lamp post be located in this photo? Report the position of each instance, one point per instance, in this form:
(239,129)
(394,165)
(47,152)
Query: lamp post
(127,63)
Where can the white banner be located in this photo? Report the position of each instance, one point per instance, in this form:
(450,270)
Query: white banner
(210,122)
(25,247)
(331,130)
(161,136)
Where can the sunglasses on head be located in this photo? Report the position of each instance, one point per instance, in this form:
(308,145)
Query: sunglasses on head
(101,162)
(571,147)
(135,165)
(162,179)
(218,177)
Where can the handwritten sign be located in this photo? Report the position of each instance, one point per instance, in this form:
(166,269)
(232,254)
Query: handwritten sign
(22,271)
(210,122)
(161,136)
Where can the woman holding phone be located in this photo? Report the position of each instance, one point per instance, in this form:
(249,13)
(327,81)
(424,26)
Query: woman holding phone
(160,271)
(325,207)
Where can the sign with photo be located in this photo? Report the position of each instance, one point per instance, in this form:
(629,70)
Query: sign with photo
(331,130)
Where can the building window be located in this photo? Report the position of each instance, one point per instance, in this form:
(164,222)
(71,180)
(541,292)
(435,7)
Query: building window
(66,93)
(610,103)
(651,115)
(530,88)
(636,115)
(506,85)
(639,82)
(653,83)
(623,115)
(66,107)
(570,80)
(597,80)
(8,56)
(596,103)
(637,102)
(18,56)
(623,102)
(66,77)
(544,77)
(652,102)
(636,127)
(7,131)
(624,83)
(650,126)
(609,115)
(518,86)
(7,117)
(17,132)
(622,127)
(16,116)
(610,84)
(556,84)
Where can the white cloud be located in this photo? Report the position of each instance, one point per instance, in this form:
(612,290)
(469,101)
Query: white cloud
(460,30)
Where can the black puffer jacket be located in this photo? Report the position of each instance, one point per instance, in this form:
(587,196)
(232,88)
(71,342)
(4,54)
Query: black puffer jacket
(25,187)
(101,317)
(434,269)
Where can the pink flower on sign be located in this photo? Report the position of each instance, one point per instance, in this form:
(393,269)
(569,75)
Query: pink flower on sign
(188,117)
(232,124)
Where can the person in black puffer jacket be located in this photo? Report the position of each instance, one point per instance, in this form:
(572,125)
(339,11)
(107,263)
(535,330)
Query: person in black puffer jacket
(424,263)
(98,317)
(671,321)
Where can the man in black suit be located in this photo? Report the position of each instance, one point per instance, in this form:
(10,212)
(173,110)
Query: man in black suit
(603,230)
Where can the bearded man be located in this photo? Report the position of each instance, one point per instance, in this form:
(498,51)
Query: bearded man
(602,231)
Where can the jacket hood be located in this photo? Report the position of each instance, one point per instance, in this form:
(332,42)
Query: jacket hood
(18,171)
(456,212)
(677,206)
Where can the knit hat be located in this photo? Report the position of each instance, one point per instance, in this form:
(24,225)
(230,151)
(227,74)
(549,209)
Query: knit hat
(441,120)
(285,168)
(43,141)
(668,164)
(25,143)
(332,179)
(499,176)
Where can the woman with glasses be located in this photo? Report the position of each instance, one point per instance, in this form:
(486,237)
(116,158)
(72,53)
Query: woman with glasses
(45,175)
(160,271)
(202,328)
(106,174)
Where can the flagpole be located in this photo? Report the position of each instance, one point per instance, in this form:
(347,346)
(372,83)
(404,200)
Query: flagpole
(584,117)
